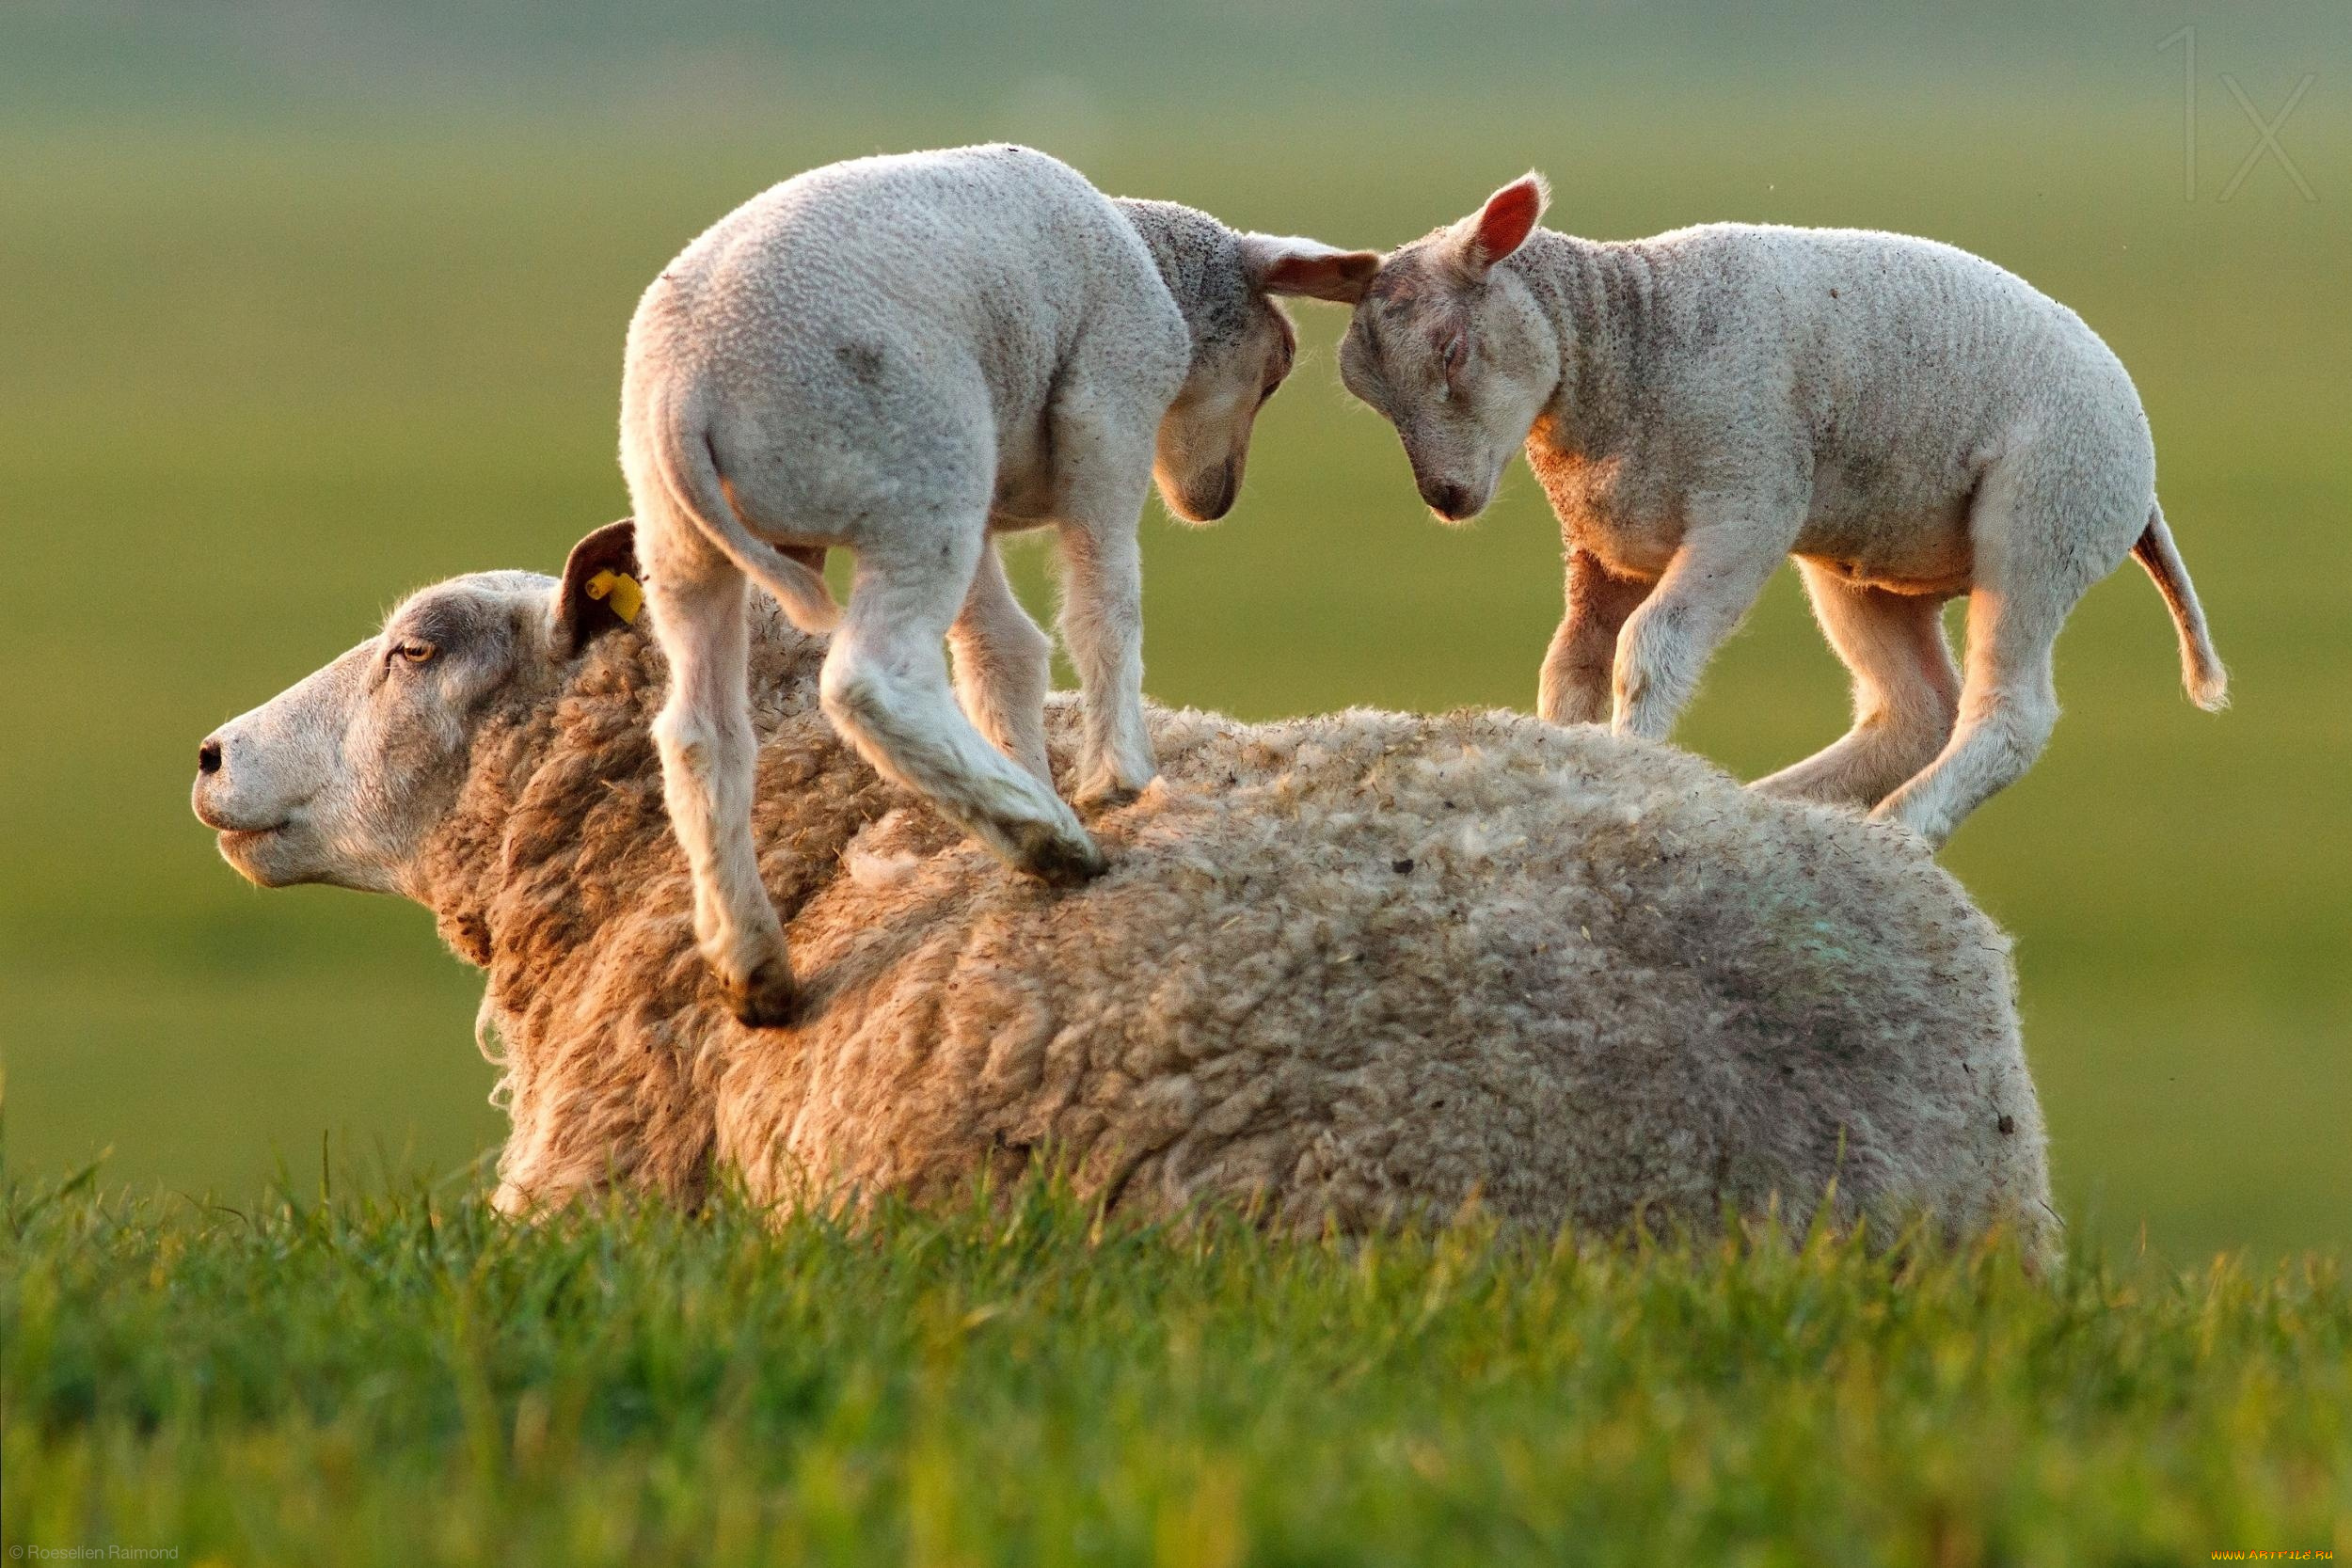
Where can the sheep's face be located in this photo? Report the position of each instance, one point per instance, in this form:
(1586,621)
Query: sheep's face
(1457,355)
(1244,347)
(341,777)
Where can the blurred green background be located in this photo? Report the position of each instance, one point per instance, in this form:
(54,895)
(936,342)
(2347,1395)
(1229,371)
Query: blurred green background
(302,306)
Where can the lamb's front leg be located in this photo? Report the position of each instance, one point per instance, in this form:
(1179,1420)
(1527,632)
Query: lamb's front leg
(1574,688)
(1108,448)
(1101,625)
(1708,588)
(708,763)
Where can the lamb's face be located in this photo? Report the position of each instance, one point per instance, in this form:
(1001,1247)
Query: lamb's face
(341,778)
(1203,442)
(1455,354)
(1243,349)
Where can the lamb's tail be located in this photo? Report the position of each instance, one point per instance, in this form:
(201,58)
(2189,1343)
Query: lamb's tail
(690,470)
(2208,683)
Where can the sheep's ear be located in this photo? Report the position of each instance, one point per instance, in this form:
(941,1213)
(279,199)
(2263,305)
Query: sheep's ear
(603,588)
(1307,268)
(1501,226)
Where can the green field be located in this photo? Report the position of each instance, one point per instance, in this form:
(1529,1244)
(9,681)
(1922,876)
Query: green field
(405,1380)
(267,382)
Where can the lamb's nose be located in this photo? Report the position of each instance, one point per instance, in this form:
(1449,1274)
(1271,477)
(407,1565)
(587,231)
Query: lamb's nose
(208,756)
(1228,486)
(1450,500)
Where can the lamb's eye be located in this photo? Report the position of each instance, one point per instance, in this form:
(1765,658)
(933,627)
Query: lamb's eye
(1276,373)
(413,651)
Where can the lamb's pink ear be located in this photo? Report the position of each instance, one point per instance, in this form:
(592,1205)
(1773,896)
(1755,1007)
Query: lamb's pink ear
(1306,269)
(1503,225)
(603,588)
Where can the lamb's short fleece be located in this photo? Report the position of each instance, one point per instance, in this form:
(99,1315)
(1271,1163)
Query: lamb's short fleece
(1355,967)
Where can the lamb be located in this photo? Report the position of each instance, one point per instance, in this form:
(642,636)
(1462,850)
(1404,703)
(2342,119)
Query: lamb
(1353,969)
(1910,421)
(906,356)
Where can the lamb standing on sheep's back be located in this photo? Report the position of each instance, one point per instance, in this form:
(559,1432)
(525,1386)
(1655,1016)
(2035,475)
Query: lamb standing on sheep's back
(1354,967)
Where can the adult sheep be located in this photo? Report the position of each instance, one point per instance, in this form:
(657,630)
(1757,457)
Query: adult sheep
(1354,967)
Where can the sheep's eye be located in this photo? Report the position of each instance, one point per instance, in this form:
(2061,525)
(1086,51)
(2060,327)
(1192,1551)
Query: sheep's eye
(414,652)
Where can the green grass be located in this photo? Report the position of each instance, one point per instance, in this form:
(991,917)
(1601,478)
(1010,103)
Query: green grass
(265,377)
(400,1379)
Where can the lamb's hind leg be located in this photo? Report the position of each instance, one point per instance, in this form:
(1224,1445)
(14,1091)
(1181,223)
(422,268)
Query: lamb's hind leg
(1906,692)
(885,687)
(1573,687)
(2041,539)
(1004,666)
(2008,706)
(708,764)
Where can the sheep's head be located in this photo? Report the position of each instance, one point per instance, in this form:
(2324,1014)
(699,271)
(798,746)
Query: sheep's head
(1455,353)
(341,777)
(1243,350)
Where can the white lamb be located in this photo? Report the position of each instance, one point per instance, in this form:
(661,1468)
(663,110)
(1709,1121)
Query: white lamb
(905,355)
(1910,421)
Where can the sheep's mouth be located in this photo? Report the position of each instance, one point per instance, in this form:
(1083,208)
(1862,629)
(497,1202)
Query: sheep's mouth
(225,823)
(247,851)
(230,828)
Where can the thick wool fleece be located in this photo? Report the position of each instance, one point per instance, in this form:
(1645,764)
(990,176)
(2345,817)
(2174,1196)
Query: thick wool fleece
(1352,968)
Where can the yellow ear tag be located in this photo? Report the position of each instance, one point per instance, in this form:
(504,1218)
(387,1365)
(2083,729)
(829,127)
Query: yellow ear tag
(621,590)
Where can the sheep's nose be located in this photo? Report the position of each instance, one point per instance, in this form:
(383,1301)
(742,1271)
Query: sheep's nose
(208,756)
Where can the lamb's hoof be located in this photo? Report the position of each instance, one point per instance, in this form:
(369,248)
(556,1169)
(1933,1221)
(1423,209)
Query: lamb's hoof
(767,999)
(1107,784)
(1108,796)
(1058,860)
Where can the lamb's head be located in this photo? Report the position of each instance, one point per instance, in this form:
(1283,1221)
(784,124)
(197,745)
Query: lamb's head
(1243,345)
(1455,351)
(341,777)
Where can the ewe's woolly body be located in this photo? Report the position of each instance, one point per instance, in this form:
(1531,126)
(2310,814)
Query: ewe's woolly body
(1608,981)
